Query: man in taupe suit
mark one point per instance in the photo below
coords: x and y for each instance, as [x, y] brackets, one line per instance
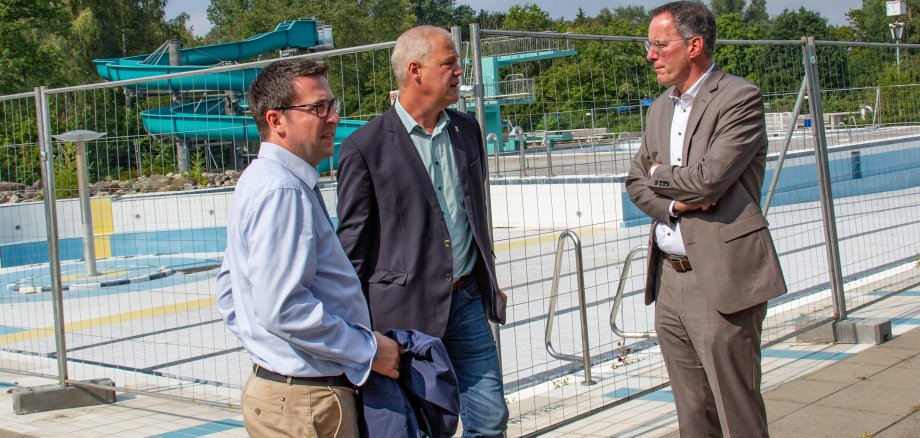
[712, 264]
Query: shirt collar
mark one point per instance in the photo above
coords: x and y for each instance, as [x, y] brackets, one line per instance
[409, 123]
[294, 164]
[695, 88]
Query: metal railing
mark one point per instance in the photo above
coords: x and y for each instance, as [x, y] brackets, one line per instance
[618, 298]
[585, 357]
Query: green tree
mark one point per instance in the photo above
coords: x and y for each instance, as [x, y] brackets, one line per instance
[528, 17]
[720, 7]
[434, 12]
[871, 24]
[354, 22]
[740, 60]
[31, 45]
[756, 12]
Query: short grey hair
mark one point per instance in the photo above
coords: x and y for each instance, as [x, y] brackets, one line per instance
[691, 18]
[414, 45]
[274, 87]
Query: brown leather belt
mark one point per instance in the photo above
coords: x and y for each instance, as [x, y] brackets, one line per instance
[678, 262]
[339, 380]
[462, 281]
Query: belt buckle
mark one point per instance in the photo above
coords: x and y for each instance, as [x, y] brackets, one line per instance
[679, 263]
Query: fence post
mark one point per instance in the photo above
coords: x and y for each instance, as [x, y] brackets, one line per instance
[475, 51]
[458, 43]
[810, 60]
[51, 224]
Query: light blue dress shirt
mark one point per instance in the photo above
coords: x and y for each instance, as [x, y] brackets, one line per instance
[436, 152]
[286, 287]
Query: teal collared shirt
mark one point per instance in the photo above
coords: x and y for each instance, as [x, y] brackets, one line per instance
[437, 155]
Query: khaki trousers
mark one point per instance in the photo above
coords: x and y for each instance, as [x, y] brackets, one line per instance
[713, 359]
[275, 409]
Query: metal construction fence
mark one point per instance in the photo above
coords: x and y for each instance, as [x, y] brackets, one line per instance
[117, 280]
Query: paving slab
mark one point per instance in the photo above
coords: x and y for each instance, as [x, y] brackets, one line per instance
[887, 356]
[898, 377]
[868, 397]
[826, 421]
[906, 428]
[846, 372]
[804, 391]
[777, 409]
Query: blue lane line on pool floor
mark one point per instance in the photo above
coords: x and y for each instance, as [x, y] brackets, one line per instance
[202, 429]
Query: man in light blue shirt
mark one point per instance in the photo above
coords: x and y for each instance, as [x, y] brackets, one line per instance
[286, 287]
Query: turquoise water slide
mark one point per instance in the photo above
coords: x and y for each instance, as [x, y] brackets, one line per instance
[206, 119]
[293, 34]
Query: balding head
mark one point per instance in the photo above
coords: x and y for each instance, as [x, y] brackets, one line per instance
[415, 45]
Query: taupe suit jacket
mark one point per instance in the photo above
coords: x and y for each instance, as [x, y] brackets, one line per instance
[725, 149]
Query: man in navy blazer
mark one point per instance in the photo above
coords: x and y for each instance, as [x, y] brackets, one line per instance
[413, 222]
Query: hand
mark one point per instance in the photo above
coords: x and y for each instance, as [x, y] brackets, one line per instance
[386, 362]
[680, 207]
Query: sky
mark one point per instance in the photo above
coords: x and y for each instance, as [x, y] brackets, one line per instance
[834, 10]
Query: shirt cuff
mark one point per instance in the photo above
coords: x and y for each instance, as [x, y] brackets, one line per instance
[671, 209]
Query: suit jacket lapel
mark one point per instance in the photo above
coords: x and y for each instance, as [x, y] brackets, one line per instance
[700, 101]
[458, 145]
[405, 148]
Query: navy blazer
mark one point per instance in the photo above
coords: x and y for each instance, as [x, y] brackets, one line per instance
[426, 386]
[393, 229]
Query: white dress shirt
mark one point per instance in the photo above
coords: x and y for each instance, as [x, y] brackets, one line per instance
[668, 238]
[286, 287]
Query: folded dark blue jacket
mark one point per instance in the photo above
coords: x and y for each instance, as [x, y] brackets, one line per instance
[424, 401]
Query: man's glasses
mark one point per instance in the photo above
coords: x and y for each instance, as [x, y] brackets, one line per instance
[321, 108]
[657, 45]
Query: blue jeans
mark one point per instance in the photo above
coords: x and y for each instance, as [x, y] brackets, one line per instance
[469, 343]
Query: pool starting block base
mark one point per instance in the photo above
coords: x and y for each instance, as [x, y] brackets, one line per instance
[53, 397]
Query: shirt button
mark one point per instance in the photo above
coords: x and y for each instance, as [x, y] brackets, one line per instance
[258, 411]
[448, 277]
[447, 243]
[678, 160]
[678, 133]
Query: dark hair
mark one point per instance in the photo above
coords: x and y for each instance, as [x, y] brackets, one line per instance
[691, 18]
[274, 87]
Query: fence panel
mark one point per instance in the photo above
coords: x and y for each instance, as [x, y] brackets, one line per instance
[160, 189]
[27, 336]
[568, 112]
[871, 100]
[579, 130]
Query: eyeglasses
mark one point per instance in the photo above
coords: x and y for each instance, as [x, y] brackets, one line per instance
[321, 108]
[659, 44]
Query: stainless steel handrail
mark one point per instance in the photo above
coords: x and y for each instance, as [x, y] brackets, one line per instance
[618, 299]
[517, 133]
[549, 154]
[494, 139]
[554, 295]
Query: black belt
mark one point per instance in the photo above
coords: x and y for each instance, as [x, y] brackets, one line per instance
[680, 263]
[339, 380]
[462, 281]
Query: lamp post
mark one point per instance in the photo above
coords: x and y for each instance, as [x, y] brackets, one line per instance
[79, 138]
[897, 31]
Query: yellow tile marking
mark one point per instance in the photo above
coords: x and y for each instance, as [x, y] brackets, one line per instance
[103, 226]
[81, 276]
[120, 318]
[546, 238]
